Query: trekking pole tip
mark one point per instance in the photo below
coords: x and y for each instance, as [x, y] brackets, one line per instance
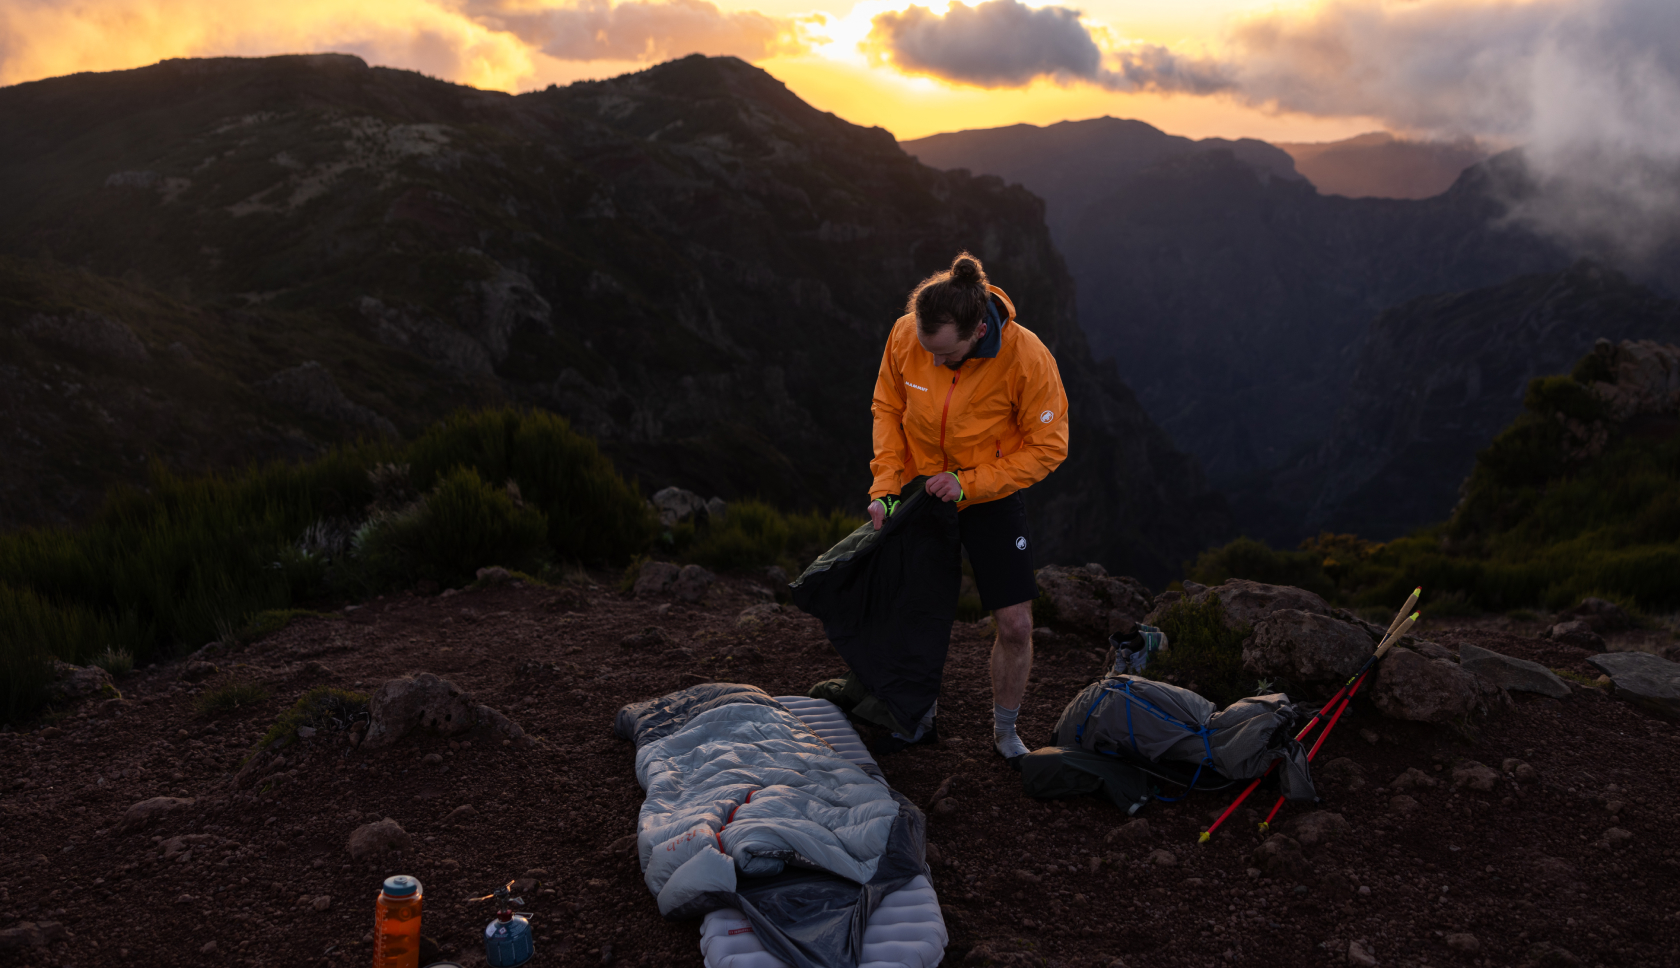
[1264, 826]
[1206, 835]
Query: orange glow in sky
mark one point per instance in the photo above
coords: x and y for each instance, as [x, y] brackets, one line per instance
[485, 43]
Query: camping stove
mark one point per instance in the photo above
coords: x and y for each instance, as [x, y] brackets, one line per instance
[507, 938]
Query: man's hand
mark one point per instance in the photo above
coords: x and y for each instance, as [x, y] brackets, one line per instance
[945, 486]
[877, 513]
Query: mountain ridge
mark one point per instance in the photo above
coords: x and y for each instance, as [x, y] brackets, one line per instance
[692, 264]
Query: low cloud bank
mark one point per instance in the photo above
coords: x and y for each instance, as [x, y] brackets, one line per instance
[1589, 88]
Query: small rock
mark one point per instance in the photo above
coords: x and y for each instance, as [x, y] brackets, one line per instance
[606, 954]
[1094, 863]
[1369, 736]
[1617, 837]
[1544, 955]
[423, 702]
[1357, 955]
[1601, 615]
[675, 505]
[1463, 942]
[184, 899]
[460, 813]
[1027, 876]
[1364, 891]
[1614, 807]
[1345, 771]
[321, 903]
[432, 759]
[933, 855]
[1402, 804]
[1317, 827]
[651, 637]
[142, 814]
[1279, 857]
[73, 683]
[655, 578]
[494, 575]
[1474, 775]
[758, 616]
[1411, 779]
[197, 671]
[378, 837]
[1134, 831]
[1577, 633]
[1161, 858]
[946, 807]
[692, 583]
[306, 732]
[51, 732]
[208, 948]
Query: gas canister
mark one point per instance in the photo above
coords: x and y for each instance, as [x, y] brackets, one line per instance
[507, 938]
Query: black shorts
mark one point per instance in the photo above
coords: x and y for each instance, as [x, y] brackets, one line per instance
[995, 536]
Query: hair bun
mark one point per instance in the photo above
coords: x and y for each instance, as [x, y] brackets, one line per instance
[966, 270]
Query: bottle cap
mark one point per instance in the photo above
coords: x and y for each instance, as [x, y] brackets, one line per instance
[401, 885]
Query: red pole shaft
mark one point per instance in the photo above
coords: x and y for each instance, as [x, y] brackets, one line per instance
[1321, 737]
[1298, 737]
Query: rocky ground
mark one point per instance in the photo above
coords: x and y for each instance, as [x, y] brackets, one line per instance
[1547, 838]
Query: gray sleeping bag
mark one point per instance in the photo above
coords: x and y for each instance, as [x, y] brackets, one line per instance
[1160, 722]
[747, 808]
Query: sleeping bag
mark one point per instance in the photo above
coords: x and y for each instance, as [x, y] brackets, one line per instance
[888, 599]
[746, 808]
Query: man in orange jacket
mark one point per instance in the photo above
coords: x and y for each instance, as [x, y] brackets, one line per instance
[973, 400]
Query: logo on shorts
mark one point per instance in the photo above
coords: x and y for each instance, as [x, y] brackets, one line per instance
[1020, 544]
[1047, 416]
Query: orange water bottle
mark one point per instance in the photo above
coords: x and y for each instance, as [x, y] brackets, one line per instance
[396, 924]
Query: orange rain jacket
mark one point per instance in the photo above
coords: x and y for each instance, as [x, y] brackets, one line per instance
[999, 421]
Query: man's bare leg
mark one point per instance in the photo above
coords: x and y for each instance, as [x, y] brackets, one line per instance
[1012, 656]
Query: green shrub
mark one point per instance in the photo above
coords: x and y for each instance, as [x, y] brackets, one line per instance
[118, 662]
[1454, 604]
[272, 620]
[1203, 652]
[321, 708]
[755, 535]
[230, 697]
[593, 514]
[462, 525]
[1256, 561]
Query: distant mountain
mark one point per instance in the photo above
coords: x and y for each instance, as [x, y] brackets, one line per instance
[1379, 165]
[219, 260]
[1439, 377]
[1071, 163]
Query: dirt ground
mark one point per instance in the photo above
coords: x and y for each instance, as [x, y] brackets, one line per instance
[1527, 869]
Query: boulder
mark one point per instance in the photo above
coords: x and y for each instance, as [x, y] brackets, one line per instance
[1577, 633]
[655, 578]
[378, 837]
[1305, 649]
[1412, 779]
[1412, 687]
[423, 702]
[1247, 602]
[73, 683]
[692, 583]
[1603, 616]
[142, 814]
[676, 505]
[1089, 601]
[716, 510]
[1520, 675]
[1643, 679]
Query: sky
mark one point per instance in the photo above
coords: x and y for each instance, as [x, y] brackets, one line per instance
[913, 68]
[1589, 88]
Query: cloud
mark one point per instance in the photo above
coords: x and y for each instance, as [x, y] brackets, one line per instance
[602, 30]
[1004, 43]
[1589, 88]
[485, 43]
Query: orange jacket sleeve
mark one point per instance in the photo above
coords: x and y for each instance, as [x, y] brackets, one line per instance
[1041, 416]
[892, 449]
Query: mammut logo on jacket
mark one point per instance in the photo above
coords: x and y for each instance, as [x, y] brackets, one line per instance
[915, 387]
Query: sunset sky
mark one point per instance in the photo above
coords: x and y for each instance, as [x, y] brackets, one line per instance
[1296, 70]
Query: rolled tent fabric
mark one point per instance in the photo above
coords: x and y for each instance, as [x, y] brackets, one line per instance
[887, 600]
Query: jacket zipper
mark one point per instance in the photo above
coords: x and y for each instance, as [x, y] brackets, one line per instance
[942, 417]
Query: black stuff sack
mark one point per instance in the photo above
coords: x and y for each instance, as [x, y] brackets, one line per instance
[887, 600]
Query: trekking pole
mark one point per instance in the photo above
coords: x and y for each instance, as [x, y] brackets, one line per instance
[1382, 647]
[1264, 824]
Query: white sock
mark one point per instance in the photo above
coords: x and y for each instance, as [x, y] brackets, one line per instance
[1003, 732]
